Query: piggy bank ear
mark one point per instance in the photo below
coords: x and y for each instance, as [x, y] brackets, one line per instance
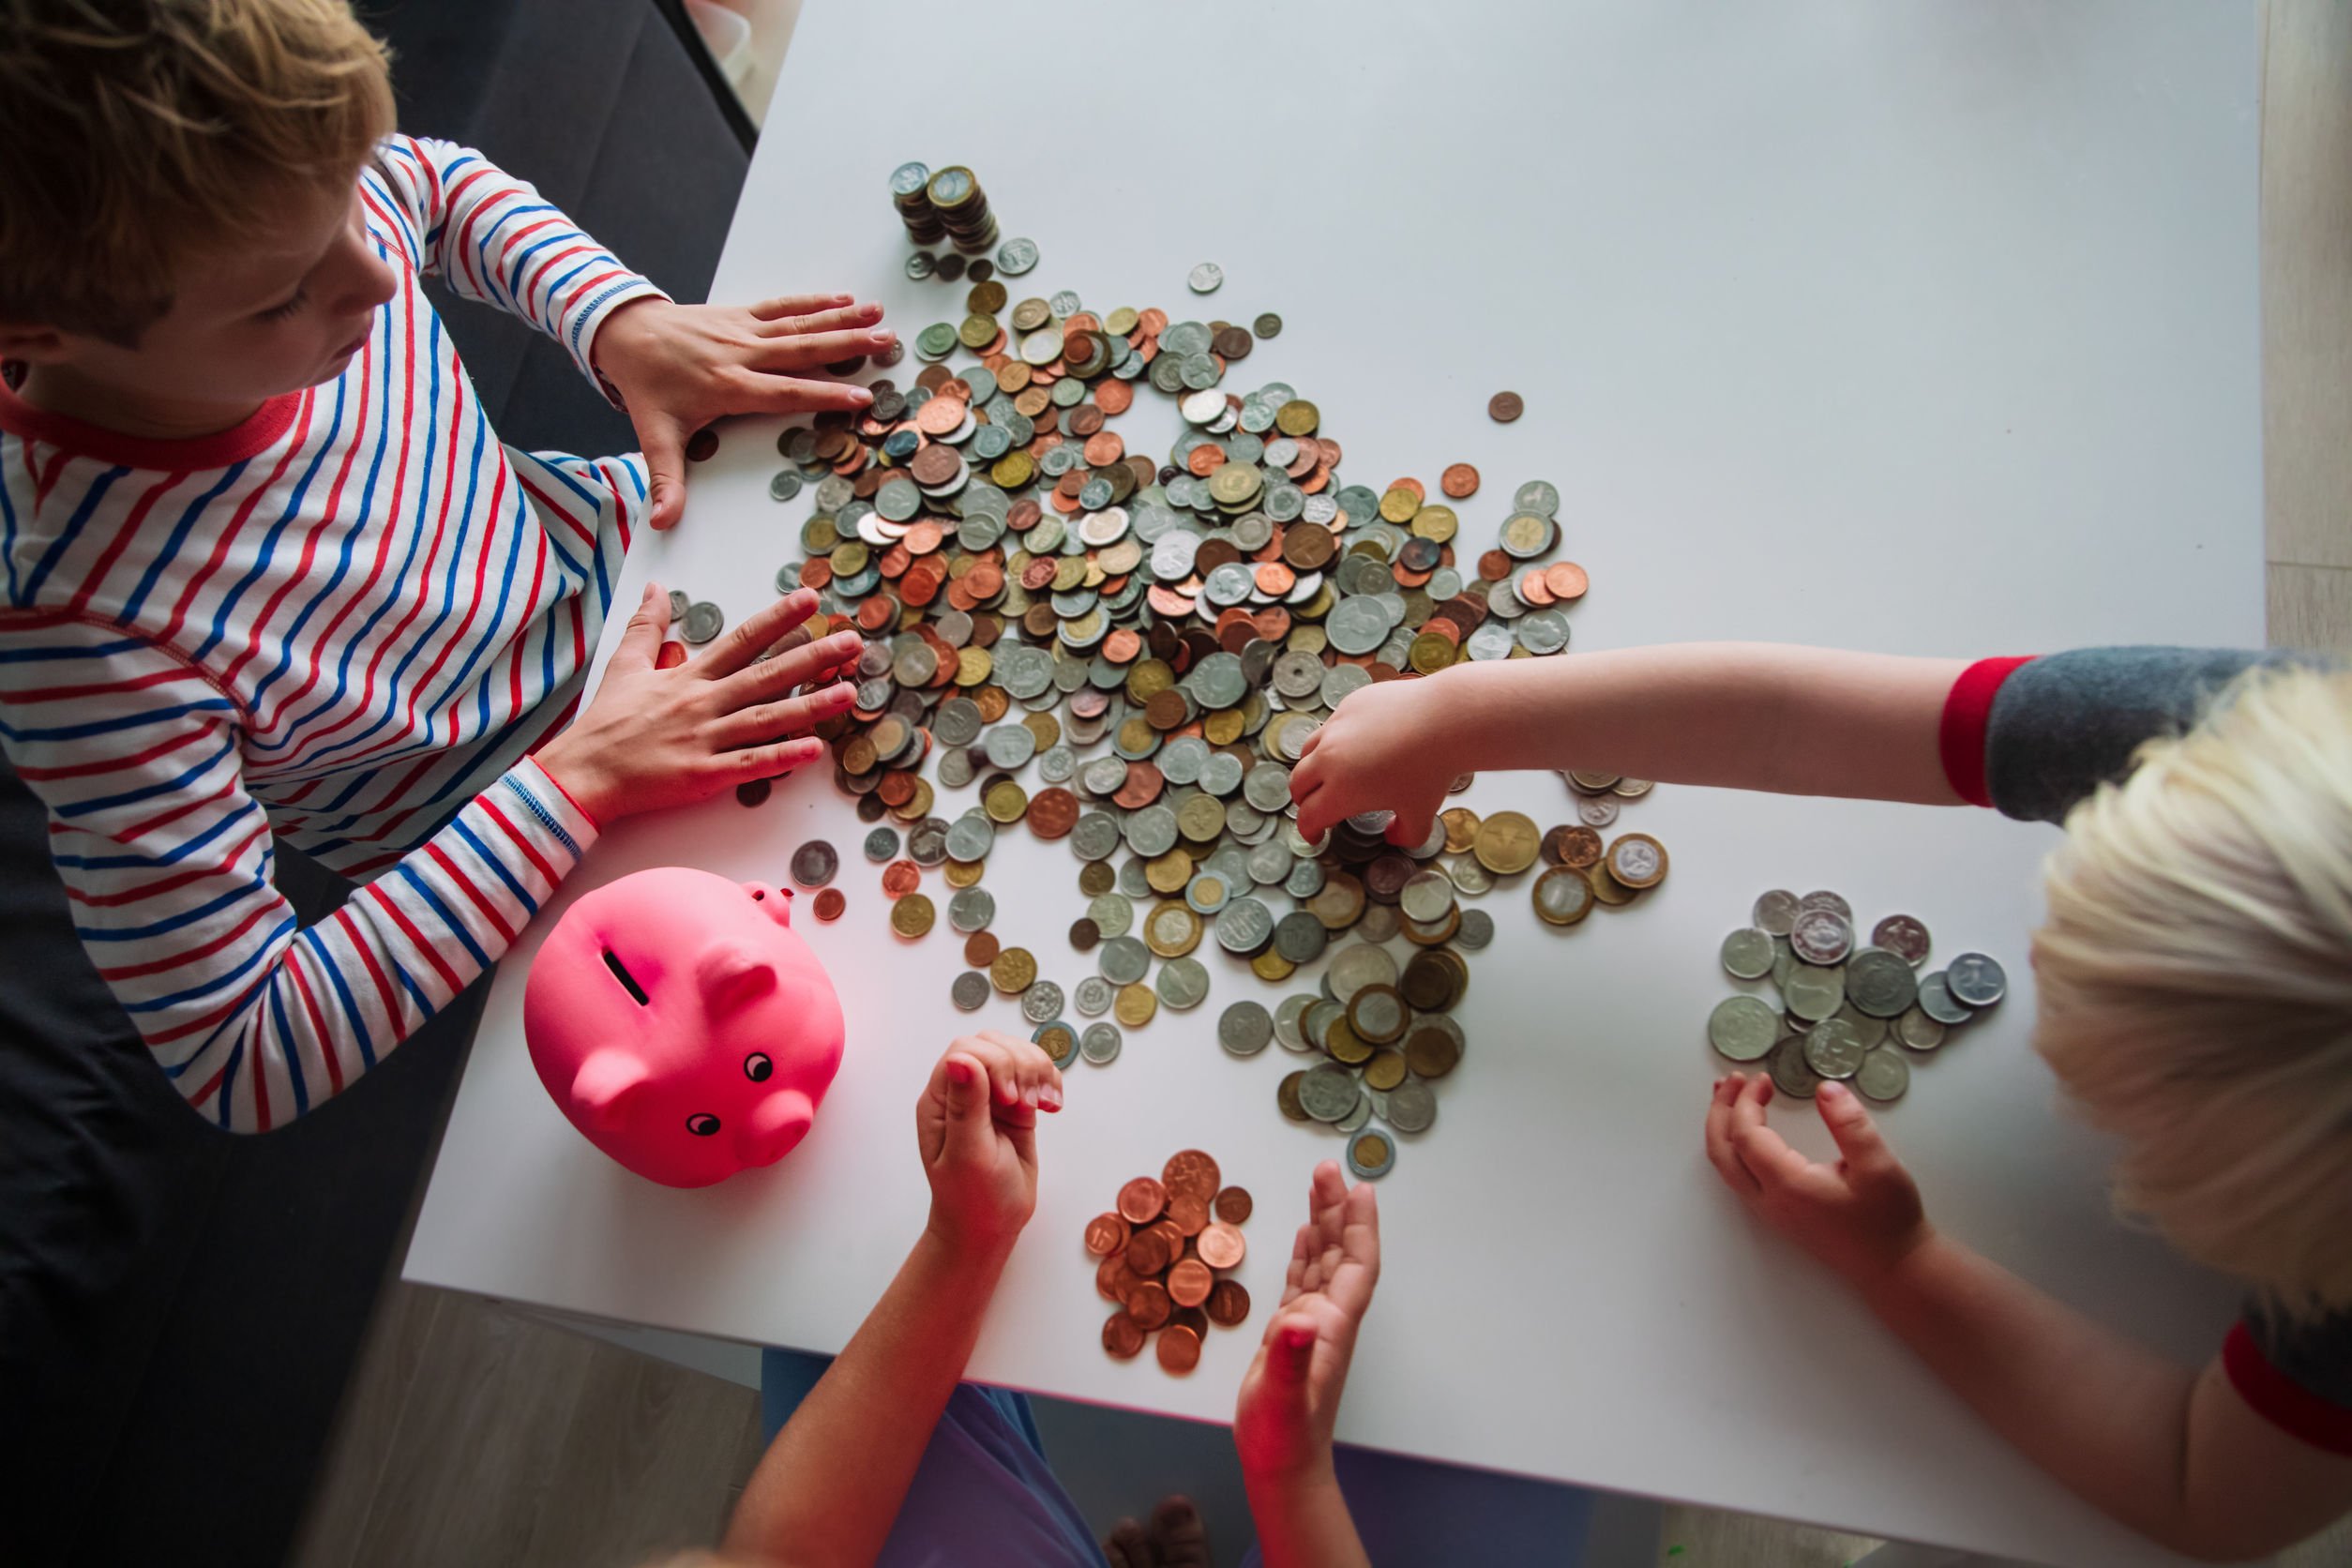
[606, 1084]
[732, 976]
[774, 1126]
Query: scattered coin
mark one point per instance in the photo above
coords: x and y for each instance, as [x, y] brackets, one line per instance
[1205, 279]
[1504, 407]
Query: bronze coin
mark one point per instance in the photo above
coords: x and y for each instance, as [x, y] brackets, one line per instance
[702, 444]
[829, 903]
[1147, 1253]
[1187, 1212]
[1053, 812]
[1189, 1282]
[1504, 407]
[1113, 1280]
[1180, 1350]
[900, 878]
[1122, 1336]
[1228, 1304]
[1221, 1246]
[1105, 1235]
[1084, 934]
[1149, 1304]
[1141, 1201]
[1192, 1173]
[1580, 847]
[1459, 481]
[751, 792]
[1191, 1317]
[1234, 1205]
[980, 949]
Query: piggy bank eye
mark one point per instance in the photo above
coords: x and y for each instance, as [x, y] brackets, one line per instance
[757, 1067]
[701, 1123]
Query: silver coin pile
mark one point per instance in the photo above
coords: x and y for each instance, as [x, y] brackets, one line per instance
[1861, 1014]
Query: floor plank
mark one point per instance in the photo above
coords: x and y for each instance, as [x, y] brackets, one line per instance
[396, 1358]
[2311, 606]
[2307, 282]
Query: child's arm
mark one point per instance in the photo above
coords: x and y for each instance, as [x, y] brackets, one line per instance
[832, 1482]
[2178, 1455]
[1750, 716]
[166, 856]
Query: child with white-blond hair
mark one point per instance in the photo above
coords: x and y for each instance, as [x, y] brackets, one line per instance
[2194, 977]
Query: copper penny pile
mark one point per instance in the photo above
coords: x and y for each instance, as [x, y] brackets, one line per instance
[1162, 1250]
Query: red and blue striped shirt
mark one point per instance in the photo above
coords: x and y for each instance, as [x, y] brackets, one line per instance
[347, 622]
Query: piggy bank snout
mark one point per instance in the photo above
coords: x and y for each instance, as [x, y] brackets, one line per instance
[775, 1126]
[730, 975]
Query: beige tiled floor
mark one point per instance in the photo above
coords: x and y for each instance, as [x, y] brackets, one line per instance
[472, 1435]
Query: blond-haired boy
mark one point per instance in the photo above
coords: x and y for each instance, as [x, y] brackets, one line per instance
[267, 572]
[2195, 992]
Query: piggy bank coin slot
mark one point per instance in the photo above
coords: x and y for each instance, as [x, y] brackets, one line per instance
[620, 972]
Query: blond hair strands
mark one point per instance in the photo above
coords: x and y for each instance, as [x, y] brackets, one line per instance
[137, 129]
[2195, 982]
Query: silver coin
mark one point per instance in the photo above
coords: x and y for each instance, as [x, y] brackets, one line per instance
[784, 486]
[1100, 1043]
[1015, 257]
[1427, 898]
[882, 845]
[1790, 1075]
[1539, 496]
[1900, 933]
[927, 843]
[1009, 746]
[1042, 1002]
[704, 620]
[1880, 983]
[1381, 1151]
[1600, 811]
[1245, 1028]
[1113, 915]
[1821, 936]
[1182, 984]
[1097, 836]
[1358, 966]
[1747, 952]
[1873, 1032]
[814, 863]
[969, 990]
[1358, 1117]
[1813, 992]
[1937, 1001]
[1122, 960]
[922, 264]
[1775, 912]
[971, 837]
[1883, 1074]
[1289, 1021]
[680, 602]
[1918, 1031]
[1328, 1091]
[1412, 1107]
[1378, 922]
[1205, 279]
[1093, 996]
[1825, 899]
[1243, 925]
[1976, 979]
[1477, 930]
[1743, 1028]
[970, 909]
[1834, 1049]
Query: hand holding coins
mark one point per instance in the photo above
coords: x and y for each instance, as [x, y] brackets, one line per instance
[1384, 748]
[977, 1125]
[1162, 1250]
[1860, 1216]
[1289, 1399]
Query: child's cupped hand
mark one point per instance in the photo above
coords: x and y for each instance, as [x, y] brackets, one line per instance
[654, 737]
[679, 366]
[976, 1128]
[1381, 751]
[1860, 1216]
[1289, 1399]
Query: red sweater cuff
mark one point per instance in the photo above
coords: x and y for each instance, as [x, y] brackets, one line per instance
[1967, 712]
[2284, 1403]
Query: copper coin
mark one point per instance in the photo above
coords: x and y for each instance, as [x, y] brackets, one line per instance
[1085, 935]
[1189, 1282]
[1122, 1336]
[1233, 1205]
[1113, 1280]
[1580, 847]
[1459, 480]
[671, 655]
[1171, 1237]
[980, 949]
[1188, 1212]
[1141, 1201]
[1147, 1253]
[1149, 1304]
[1556, 844]
[1052, 812]
[1566, 581]
[902, 877]
[1228, 1304]
[1180, 1350]
[1502, 408]
[751, 792]
[703, 444]
[1221, 1246]
[1105, 1235]
[829, 903]
[1191, 1318]
[1191, 1173]
[1142, 788]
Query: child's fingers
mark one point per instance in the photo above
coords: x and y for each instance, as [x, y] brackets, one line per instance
[767, 394]
[785, 353]
[1720, 1154]
[1765, 1154]
[665, 469]
[640, 640]
[741, 646]
[792, 717]
[771, 760]
[784, 305]
[795, 667]
[1856, 1136]
[819, 318]
[962, 1084]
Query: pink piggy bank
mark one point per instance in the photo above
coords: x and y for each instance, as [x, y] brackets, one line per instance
[683, 1025]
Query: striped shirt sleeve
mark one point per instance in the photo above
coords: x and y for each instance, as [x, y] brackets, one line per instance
[491, 237]
[166, 861]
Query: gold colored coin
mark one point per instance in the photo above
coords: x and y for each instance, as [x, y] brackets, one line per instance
[1171, 930]
[1013, 972]
[1225, 726]
[1096, 878]
[1058, 1040]
[1272, 967]
[1607, 889]
[1461, 828]
[1298, 417]
[973, 666]
[913, 915]
[1134, 1005]
[964, 873]
[1385, 1071]
[1507, 843]
[1636, 860]
[1431, 1053]
[1345, 1045]
[1005, 802]
[1170, 872]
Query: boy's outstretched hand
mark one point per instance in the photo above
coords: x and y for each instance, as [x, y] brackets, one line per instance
[977, 1125]
[1380, 751]
[1861, 1216]
[655, 737]
[679, 366]
[1282, 1425]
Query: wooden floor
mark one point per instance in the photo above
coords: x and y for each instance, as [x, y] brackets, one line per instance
[473, 1434]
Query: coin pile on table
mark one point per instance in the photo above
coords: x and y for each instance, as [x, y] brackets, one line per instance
[1859, 1013]
[1163, 1254]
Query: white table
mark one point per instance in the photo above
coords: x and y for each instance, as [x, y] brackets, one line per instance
[1927, 328]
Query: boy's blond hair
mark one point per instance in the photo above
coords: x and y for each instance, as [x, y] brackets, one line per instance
[2196, 982]
[137, 129]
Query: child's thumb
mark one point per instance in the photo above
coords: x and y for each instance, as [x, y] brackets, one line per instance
[969, 1130]
[665, 476]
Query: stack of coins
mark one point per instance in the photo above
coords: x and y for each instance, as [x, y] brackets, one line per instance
[910, 191]
[1844, 1008]
[962, 207]
[1164, 1251]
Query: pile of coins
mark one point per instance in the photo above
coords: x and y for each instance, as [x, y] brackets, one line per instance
[948, 206]
[1843, 1009]
[1163, 1252]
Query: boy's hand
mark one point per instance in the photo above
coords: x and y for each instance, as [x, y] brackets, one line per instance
[1860, 1216]
[659, 737]
[1380, 751]
[977, 1125]
[1282, 1424]
[679, 366]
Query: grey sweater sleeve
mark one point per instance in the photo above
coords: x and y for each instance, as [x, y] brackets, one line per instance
[2065, 724]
